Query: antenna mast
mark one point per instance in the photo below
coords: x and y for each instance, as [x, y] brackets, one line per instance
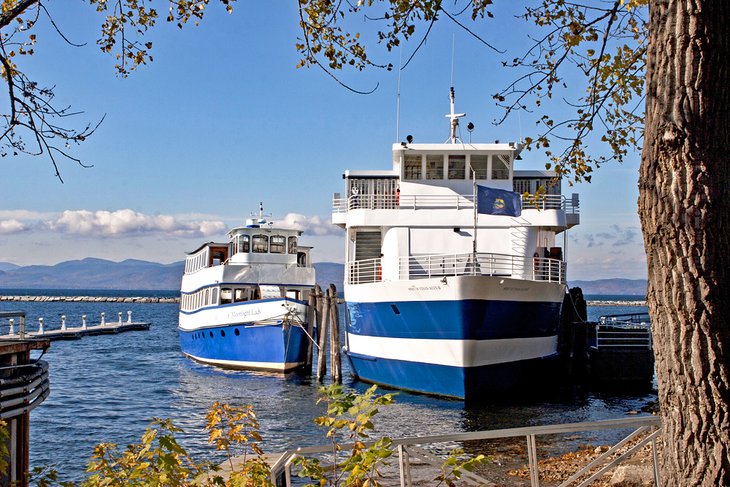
[397, 99]
[454, 117]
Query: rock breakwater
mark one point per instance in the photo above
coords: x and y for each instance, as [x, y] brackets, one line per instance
[91, 299]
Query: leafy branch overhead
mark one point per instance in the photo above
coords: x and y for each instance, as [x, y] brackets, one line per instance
[36, 124]
[598, 46]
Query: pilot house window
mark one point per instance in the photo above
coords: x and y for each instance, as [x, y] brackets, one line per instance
[292, 245]
[434, 167]
[278, 244]
[260, 244]
[412, 169]
[500, 167]
[479, 164]
[457, 167]
[244, 244]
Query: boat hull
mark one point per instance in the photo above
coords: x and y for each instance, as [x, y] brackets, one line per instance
[217, 336]
[463, 337]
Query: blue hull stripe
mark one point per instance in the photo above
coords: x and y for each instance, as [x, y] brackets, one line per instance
[474, 383]
[457, 320]
[274, 344]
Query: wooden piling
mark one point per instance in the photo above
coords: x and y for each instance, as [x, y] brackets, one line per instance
[335, 357]
[322, 325]
[310, 328]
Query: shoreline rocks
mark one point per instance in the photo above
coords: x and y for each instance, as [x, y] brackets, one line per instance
[91, 299]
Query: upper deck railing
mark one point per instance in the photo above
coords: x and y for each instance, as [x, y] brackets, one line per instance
[455, 202]
[444, 265]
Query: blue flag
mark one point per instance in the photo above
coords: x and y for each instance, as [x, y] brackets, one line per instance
[492, 201]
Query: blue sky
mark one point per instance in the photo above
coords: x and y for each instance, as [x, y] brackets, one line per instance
[222, 119]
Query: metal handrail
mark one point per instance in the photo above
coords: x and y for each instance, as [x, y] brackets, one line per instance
[624, 331]
[26, 387]
[465, 264]
[432, 201]
[642, 425]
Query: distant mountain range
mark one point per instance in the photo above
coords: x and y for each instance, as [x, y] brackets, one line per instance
[130, 274]
[612, 286]
[133, 274]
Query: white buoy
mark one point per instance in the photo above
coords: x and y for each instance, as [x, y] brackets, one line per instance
[63, 322]
[12, 327]
[129, 316]
[83, 322]
[102, 319]
[40, 326]
[119, 315]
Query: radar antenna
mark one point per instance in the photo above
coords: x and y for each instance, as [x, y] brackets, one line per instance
[454, 117]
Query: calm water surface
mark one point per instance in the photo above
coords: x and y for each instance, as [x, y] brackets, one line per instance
[107, 389]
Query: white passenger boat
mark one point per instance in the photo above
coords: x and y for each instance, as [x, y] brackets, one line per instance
[243, 304]
[454, 285]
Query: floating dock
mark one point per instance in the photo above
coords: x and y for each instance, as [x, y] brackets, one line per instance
[615, 350]
[73, 333]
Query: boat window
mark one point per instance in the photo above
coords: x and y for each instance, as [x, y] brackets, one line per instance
[226, 295]
[292, 294]
[500, 167]
[206, 300]
[457, 167]
[292, 245]
[412, 166]
[240, 295]
[434, 167]
[479, 164]
[214, 296]
[260, 244]
[278, 244]
[244, 244]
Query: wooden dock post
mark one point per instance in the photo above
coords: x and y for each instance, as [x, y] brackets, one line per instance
[335, 357]
[310, 328]
[323, 315]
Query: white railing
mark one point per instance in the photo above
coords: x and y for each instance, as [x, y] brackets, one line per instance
[645, 432]
[455, 202]
[441, 265]
[624, 331]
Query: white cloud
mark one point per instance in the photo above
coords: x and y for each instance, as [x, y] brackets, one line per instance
[127, 222]
[312, 225]
[8, 227]
[25, 215]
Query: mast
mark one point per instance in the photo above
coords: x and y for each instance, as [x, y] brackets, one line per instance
[454, 117]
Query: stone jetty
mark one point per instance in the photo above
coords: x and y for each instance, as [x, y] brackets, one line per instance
[90, 299]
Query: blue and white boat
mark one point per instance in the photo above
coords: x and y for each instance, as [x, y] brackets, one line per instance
[454, 286]
[243, 304]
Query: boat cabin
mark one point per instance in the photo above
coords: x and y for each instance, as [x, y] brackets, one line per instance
[251, 244]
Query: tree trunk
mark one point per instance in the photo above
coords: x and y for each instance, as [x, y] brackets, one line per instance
[684, 205]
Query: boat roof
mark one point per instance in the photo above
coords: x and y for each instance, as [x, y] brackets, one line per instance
[459, 147]
[265, 227]
[207, 244]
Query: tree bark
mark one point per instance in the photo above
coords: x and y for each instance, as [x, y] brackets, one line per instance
[684, 205]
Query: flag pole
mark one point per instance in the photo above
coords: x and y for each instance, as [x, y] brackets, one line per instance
[474, 232]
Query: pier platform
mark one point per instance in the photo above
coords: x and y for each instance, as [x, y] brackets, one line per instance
[78, 332]
[64, 332]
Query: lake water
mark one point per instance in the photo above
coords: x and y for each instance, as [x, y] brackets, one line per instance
[107, 388]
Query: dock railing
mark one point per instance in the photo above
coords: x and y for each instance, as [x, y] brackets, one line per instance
[645, 432]
[465, 264]
[624, 331]
[453, 201]
[11, 316]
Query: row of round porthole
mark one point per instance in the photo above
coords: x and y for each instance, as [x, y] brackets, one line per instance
[201, 334]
